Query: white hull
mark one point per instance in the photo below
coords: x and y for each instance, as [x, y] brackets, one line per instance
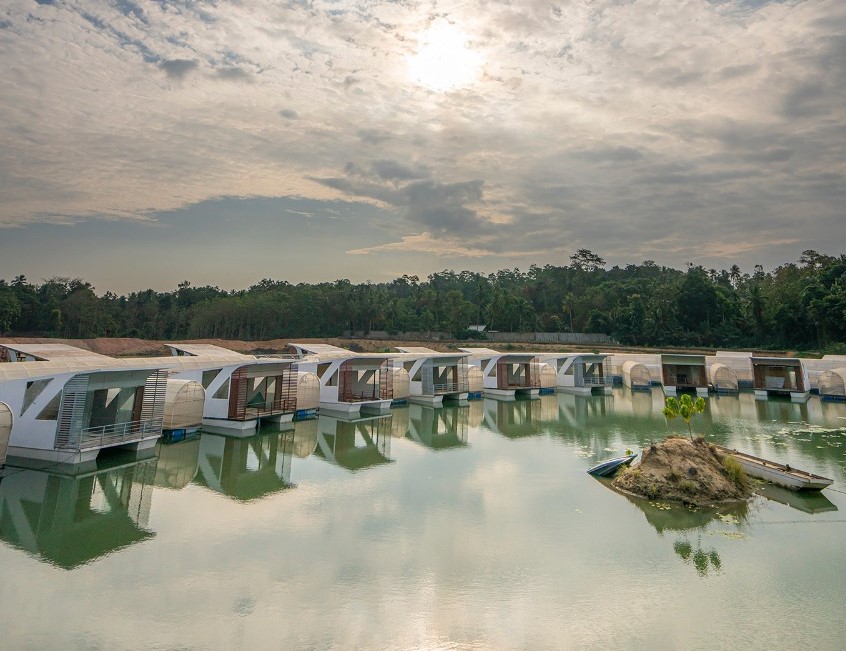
[779, 474]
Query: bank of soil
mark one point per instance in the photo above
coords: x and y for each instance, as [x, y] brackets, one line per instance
[688, 471]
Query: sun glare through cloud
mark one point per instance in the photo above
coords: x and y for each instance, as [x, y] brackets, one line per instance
[443, 60]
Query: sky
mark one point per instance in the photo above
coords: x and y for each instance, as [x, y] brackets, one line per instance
[143, 143]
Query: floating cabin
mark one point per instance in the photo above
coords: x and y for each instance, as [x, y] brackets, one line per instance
[475, 383]
[354, 445]
[240, 390]
[578, 373]
[351, 384]
[832, 385]
[780, 376]
[183, 409]
[506, 375]
[739, 362]
[6, 420]
[69, 408]
[308, 395]
[246, 469]
[434, 376]
[684, 374]
[636, 376]
[816, 367]
[652, 362]
[438, 429]
[723, 379]
[401, 383]
[71, 520]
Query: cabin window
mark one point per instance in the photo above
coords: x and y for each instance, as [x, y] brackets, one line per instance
[333, 381]
[51, 411]
[321, 369]
[210, 376]
[417, 375]
[223, 392]
[33, 390]
[407, 366]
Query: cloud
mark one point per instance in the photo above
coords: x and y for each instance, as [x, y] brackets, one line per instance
[595, 124]
[178, 68]
[425, 243]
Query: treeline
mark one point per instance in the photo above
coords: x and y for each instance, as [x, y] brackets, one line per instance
[799, 305]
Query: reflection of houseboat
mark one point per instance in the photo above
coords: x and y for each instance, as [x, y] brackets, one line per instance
[246, 468]
[580, 373]
[506, 375]
[350, 384]
[514, 419]
[70, 520]
[434, 376]
[354, 445]
[780, 376]
[438, 428]
[178, 463]
[684, 373]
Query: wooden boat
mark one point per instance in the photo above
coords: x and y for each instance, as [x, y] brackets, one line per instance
[777, 473]
[609, 467]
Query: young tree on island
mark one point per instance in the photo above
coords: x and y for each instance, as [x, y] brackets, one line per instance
[686, 408]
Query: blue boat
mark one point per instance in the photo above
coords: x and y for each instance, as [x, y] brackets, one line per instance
[609, 467]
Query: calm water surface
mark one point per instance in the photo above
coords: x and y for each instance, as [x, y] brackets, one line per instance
[458, 528]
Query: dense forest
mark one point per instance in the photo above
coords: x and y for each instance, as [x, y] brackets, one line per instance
[800, 306]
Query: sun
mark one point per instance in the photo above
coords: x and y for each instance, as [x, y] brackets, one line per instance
[443, 60]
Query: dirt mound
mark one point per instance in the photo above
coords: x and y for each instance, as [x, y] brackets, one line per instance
[680, 470]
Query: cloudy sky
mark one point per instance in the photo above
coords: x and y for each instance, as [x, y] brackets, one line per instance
[146, 142]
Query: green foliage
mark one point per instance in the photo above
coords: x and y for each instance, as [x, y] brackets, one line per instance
[685, 408]
[797, 306]
[735, 472]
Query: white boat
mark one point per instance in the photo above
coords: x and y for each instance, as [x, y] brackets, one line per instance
[777, 473]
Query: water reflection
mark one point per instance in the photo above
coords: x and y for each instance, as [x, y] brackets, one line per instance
[354, 445]
[178, 463]
[72, 520]
[690, 525]
[807, 502]
[515, 418]
[704, 561]
[438, 428]
[245, 468]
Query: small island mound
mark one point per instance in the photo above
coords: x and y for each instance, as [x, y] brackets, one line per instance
[690, 471]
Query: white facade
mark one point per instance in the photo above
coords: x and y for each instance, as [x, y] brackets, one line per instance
[506, 374]
[780, 376]
[580, 373]
[66, 411]
[350, 384]
[434, 377]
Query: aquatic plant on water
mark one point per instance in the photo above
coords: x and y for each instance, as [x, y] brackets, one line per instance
[686, 408]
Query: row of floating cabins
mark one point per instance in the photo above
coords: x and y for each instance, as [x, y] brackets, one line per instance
[61, 405]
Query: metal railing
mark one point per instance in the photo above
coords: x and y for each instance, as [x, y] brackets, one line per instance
[449, 387]
[595, 381]
[105, 435]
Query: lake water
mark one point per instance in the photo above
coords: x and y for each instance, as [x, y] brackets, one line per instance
[458, 528]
